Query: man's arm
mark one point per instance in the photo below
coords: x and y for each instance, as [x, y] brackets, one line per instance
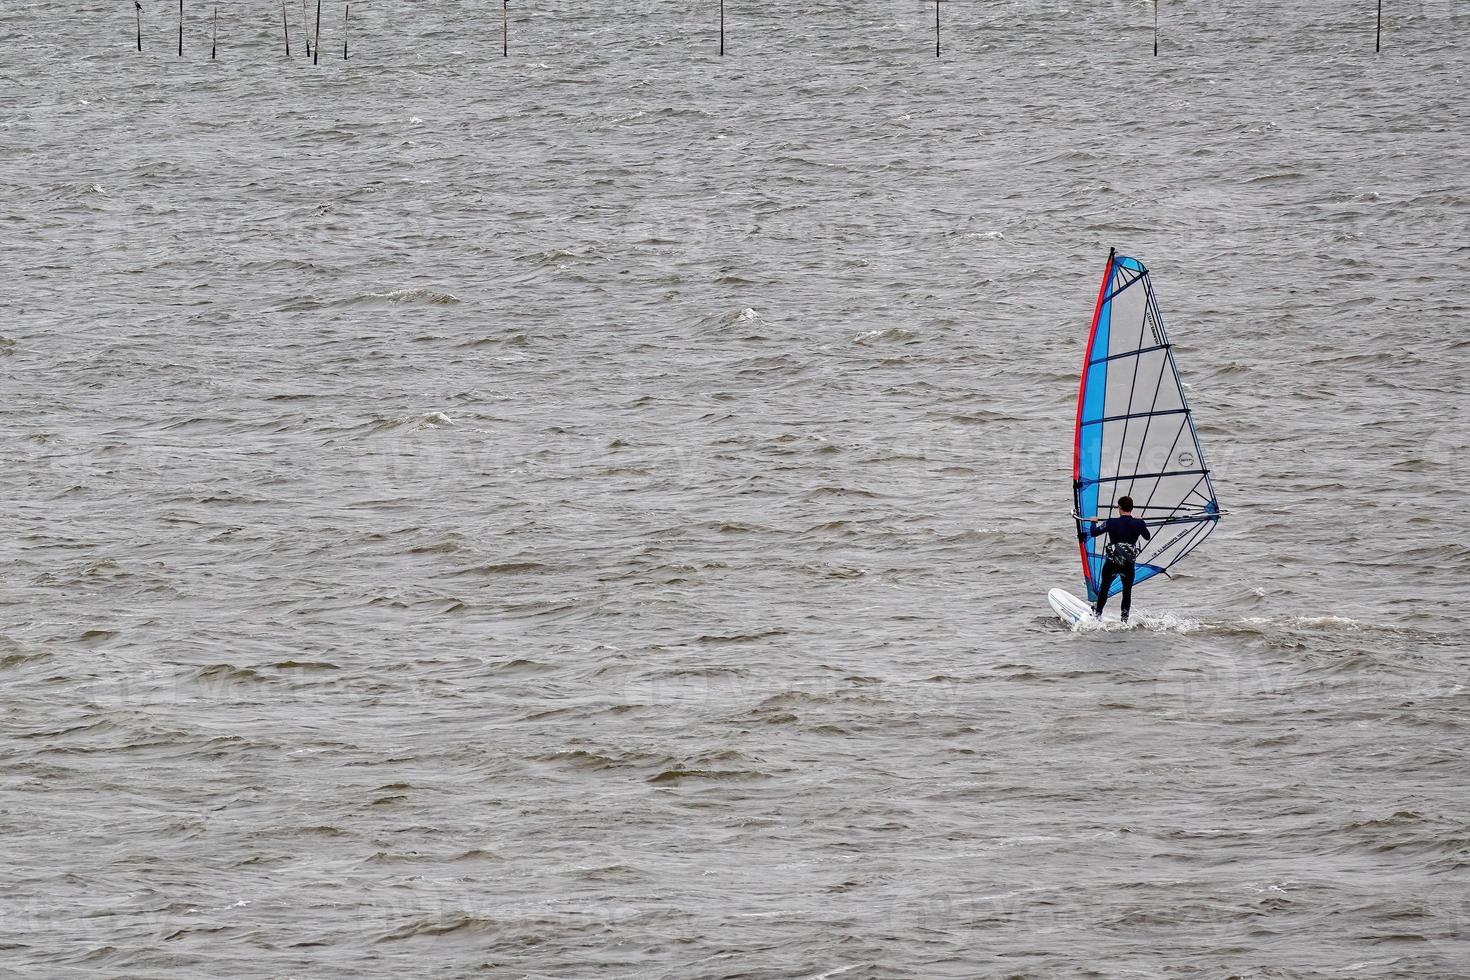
[1099, 528]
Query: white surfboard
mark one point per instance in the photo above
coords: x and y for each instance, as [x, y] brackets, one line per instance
[1072, 610]
[1068, 607]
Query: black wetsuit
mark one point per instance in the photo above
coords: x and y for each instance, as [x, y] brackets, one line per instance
[1123, 529]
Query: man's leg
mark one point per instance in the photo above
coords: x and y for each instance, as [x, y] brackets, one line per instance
[1127, 575]
[1105, 583]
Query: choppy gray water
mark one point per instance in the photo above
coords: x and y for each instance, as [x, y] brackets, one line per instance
[590, 513]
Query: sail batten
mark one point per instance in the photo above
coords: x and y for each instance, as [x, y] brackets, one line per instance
[1135, 432]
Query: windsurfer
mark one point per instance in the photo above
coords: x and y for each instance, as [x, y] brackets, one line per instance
[1123, 533]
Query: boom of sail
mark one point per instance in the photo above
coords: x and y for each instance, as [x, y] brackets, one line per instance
[1135, 433]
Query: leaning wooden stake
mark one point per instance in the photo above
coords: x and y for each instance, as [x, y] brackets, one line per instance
[214, 41]
[306, 26]
[346, 20]
[181, 28]
[936, 28]
[286, 28]
[316, 48]
[1156, 28]
[138, 12]
[722, 28]
[1378, 42]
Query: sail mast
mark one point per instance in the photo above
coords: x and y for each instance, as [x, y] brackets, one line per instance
[1077, 435]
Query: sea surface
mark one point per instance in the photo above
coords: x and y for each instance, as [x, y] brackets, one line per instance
[589, 513]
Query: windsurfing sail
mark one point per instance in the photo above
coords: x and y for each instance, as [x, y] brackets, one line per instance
[1135, 433]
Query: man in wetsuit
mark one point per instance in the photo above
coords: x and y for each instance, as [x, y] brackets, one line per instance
[1123, 533]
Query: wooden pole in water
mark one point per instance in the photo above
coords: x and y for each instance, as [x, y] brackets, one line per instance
[214, 41]
[1156, 28]
[316, 48]
[181, 28]
[286, 28]
[505, 28]
[936, 28]
[306, 26]
[346, 21]
[138, 13]
[1378, 42]
[722, 28]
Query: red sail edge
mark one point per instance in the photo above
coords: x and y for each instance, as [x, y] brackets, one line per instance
[1102, 291]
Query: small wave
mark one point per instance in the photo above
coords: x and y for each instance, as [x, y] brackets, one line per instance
[581, 759]
[739, 637]
[477, 854]
[17, 659]
[839, 572]
[504, 568]
[769, 717]
[730, 318]
[818, 493]
[448, 546]
[512, 340]
[680, 775]
[226, 672]
[558, 257]
[1268, 178]
[1325, 624]
[441, 927]
[522, 666]
[76, 190]
[1418, 465]
[407, 297]
[891, 335]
